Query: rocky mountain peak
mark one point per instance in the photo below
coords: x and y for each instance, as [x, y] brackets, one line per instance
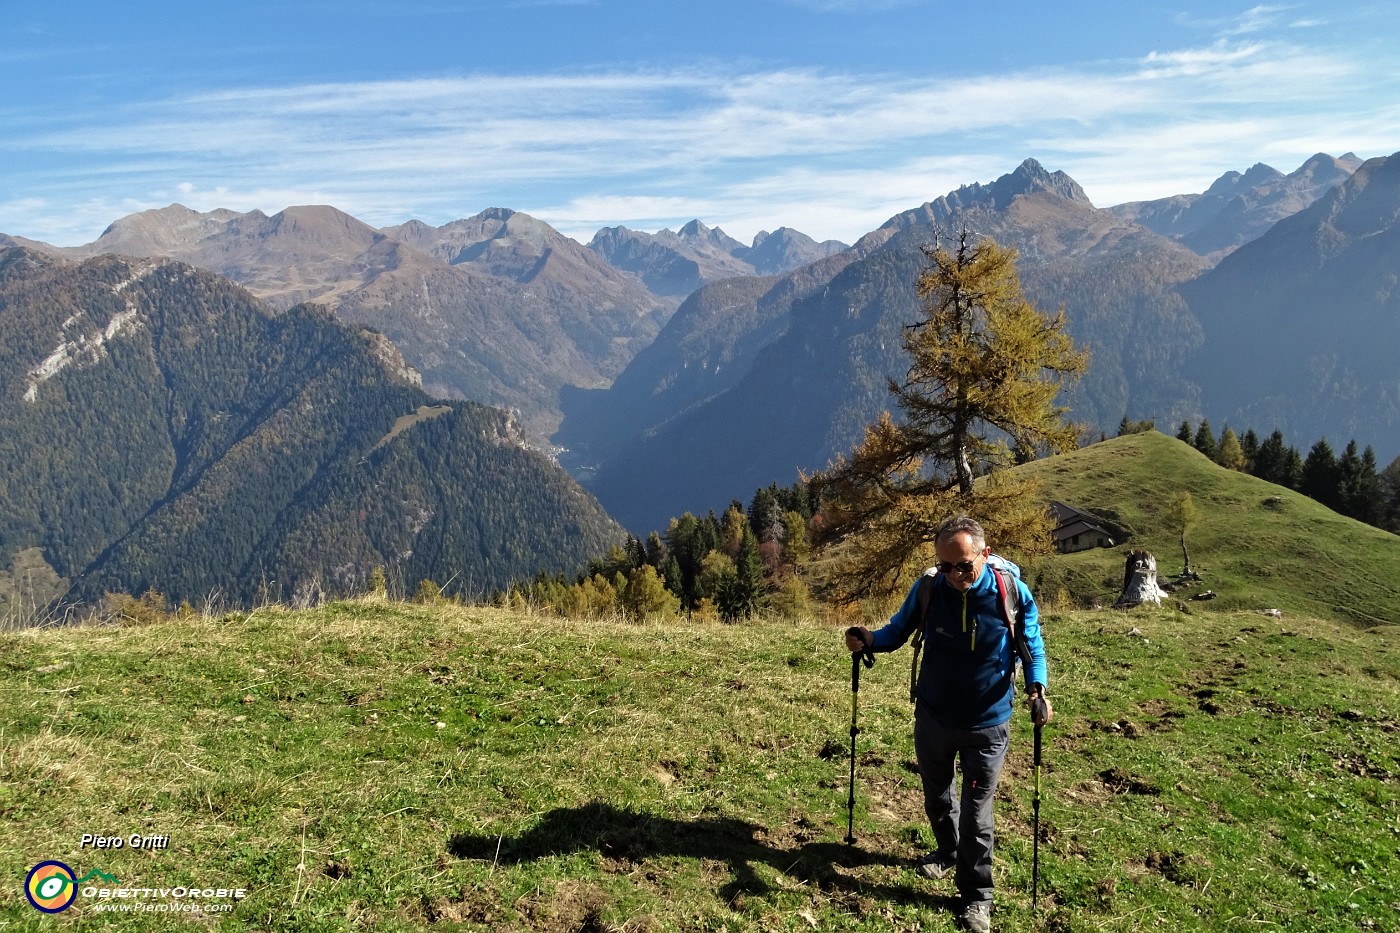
[1322, 171]
[161, 231]
[318, 223]
[785, 249]
[1031, 177]
[1366, 204]
[495, 213]
[1259, 175]
[709, 238]
[1223, 187]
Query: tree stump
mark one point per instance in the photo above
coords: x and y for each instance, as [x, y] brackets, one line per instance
[1140, 581]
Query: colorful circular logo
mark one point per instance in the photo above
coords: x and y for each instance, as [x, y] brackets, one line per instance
[51, 887]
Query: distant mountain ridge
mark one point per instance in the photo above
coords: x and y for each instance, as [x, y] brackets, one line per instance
[555, 314]
[705, 349]
[499, 308]
[165, 430]
[676, 264]
[1237, 207]
[1302, 324]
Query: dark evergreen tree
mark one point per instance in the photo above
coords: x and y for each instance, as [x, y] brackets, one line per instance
[1249, 446]
[711, 533]
[766, 514]
[743, 594]
[636, 553]
[1271, 460]
[674, 580]
[1363, 496]
[1390, 494]
[685, 539]
[1183, 433]
[655, 551]
[1348, 478]
[1292, 468]
[1321, 479]
[1204, 441]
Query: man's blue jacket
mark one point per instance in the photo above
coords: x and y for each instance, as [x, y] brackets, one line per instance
[969, 658]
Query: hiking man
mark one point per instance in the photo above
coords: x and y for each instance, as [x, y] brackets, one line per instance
[964, 701]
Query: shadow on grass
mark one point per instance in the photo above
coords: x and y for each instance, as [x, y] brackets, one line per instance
[626, 836]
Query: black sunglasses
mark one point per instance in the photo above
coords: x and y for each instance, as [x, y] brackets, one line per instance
[962, 566]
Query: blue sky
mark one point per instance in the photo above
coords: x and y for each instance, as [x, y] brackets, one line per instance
[824, 115]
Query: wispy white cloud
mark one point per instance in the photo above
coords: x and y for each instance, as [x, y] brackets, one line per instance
[833, 154]
[1257, 19]
[1228, 24]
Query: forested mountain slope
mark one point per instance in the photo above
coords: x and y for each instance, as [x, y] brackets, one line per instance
[163, 429]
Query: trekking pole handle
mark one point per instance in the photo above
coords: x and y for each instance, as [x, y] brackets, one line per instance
[1038, 717]
[856, 658]
[865, 654]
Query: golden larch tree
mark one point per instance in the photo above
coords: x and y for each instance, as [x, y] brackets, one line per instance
[986, 367]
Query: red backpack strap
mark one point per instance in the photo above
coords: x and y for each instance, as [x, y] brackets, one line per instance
[1011, 611]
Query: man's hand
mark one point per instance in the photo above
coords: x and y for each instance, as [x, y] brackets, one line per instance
[1039, 705]
[858, 638]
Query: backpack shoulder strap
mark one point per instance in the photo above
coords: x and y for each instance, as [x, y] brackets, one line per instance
[1010, 597]
[1011, 612]
[923, 595]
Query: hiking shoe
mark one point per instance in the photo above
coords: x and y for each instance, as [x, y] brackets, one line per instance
[935, 865]
[977, 917]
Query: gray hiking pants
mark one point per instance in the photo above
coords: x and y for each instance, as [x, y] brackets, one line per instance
[962, 823]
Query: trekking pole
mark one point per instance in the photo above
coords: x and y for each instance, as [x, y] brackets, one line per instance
[1038, 717]
[856, 658]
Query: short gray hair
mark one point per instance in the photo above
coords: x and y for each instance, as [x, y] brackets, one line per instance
[961, 524]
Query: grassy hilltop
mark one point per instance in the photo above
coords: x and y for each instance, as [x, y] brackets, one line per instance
[374, 764]
[1257, 545]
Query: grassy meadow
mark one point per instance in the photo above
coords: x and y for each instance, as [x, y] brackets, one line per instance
[383, 765]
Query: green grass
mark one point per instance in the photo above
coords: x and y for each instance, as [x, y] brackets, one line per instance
[1257, 545]
[390, 766]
